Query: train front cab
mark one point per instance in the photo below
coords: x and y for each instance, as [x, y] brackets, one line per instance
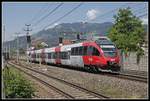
[97, 60]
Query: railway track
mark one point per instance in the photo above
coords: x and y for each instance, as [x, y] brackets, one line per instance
[136, 72]
[129, 75]
[70, 90]
[60, 92]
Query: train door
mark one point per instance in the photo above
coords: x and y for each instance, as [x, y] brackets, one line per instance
[96, 58]
[57, 51]
[76, 57]
[34, 56]
[89, 54]
[86, 56]
[43, 56]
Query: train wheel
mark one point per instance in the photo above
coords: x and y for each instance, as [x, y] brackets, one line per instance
[90, 69]
[93, 69]
[96, 69]
[87, 68]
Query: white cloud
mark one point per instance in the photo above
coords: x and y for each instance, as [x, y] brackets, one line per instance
[91, 14]
[55, 24]
[145, 20]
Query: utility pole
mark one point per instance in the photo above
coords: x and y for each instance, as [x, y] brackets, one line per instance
[9, 52]
[3, 50]
[3, 39]
[28, 39]
[17, 46]
[6, 53]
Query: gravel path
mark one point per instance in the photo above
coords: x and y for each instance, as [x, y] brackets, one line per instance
[114, 87]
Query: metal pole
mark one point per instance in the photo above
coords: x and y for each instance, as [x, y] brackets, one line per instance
[3, 91]
[17, 50]
[3, 36]
[6, 52]
[17, 47]
[27, 40]
[26, 53]
[9, 51]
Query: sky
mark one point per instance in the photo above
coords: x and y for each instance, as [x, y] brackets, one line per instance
[16, 14]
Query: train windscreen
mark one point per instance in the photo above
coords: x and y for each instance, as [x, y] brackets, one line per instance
[104, 42]
[109, 50]
[108, 47]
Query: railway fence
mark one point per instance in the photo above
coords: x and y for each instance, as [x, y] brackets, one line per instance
[129, 62]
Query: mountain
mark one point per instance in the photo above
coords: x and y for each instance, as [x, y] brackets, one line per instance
[51, 35]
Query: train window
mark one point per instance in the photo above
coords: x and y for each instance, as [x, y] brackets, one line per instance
[80, 50]
[53, 55]
[95, 52]
[72, 51]
[65, 55]
[89, 50]
[85, 50]
[61, 55]
[49, 55]
[37, 55]
[77, 51]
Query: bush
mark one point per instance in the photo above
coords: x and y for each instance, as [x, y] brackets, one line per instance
[16, 86]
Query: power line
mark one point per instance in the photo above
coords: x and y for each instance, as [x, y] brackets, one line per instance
[39, 12]
[28, 38]
[17, 46]
[48, 14]
[64, 15]
[142, 15]
[139, 10]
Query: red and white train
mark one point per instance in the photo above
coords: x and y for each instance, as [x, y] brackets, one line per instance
[98, 55]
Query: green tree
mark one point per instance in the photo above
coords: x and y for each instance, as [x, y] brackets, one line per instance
[127, 32]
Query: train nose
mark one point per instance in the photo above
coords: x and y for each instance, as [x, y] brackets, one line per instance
[111, 62]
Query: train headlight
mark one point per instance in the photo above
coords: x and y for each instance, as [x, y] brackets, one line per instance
[112, 60]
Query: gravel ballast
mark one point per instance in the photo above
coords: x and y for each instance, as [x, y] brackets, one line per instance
[111, 86]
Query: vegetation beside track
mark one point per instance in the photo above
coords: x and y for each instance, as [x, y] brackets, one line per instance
[15, 85]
